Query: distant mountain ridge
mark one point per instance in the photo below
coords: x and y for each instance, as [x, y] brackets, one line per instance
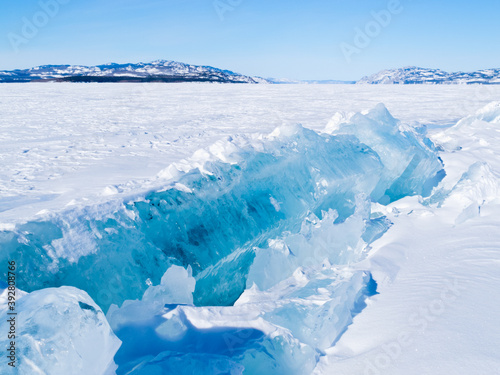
[173, 71]
[156, 71]
[415, 75]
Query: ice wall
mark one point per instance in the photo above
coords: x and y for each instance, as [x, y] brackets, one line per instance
[215, 211]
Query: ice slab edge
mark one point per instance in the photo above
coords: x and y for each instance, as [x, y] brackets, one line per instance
[283, 330]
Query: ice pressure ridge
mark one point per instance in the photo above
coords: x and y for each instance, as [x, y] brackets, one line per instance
[240, 260]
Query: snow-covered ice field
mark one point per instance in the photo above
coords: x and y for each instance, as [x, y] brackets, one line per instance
[335, 247]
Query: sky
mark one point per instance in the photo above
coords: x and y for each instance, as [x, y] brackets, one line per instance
[306, 39]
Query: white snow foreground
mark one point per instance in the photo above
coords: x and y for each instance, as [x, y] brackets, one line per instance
[334, 292]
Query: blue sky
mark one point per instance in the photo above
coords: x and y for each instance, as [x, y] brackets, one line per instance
[307, 39]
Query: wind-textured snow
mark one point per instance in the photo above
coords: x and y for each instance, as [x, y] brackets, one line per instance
[365, 245]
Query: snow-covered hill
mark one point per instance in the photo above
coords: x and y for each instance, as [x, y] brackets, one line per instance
[156, 71]
[172, 71]
[416, 75]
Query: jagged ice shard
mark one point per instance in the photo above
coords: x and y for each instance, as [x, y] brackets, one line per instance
[60, 331]
[245, 246]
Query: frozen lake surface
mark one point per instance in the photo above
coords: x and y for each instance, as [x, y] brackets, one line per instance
[66, 142]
